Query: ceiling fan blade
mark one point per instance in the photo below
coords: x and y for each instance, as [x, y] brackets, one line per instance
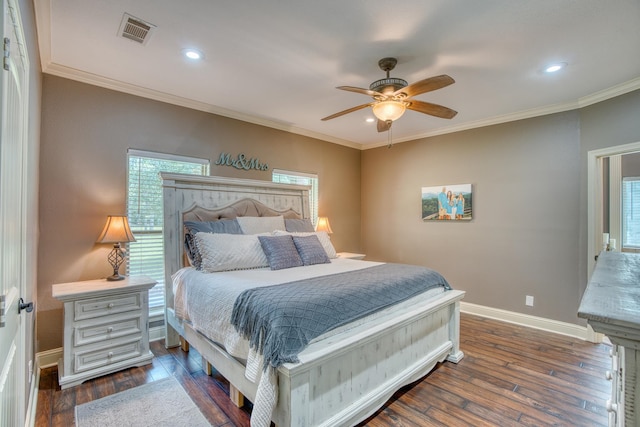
[426, 85]
[361, 90]
[384, 126]
[350, 110]
[431, 109]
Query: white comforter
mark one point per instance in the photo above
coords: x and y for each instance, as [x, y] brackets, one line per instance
[206, 300]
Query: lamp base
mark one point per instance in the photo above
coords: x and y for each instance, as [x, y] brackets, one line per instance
[115, 277]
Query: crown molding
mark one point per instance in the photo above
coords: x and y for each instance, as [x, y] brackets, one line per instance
[43, 22]
[585, 101]
[96, 80]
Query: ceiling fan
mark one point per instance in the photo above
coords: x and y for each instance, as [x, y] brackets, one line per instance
[392, 96]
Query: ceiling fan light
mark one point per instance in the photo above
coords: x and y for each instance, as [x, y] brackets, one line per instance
[389, 110]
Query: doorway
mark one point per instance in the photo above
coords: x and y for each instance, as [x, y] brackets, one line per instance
[595, 196]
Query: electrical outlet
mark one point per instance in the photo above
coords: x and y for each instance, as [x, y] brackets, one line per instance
[529, 300]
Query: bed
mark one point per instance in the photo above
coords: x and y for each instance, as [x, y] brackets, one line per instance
[341, 377]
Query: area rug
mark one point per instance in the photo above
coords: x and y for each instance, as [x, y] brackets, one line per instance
[162, 403]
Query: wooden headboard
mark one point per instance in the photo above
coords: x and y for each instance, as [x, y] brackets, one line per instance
[198, 198]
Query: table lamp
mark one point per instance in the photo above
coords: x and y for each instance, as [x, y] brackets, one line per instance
[116, 231]
[323, 225]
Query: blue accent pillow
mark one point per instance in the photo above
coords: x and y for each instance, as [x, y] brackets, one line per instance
[223, 226]
[281, 252]
[298, 225]
[311, 250]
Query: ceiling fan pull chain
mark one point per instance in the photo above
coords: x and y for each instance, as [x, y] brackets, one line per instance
[389, 137]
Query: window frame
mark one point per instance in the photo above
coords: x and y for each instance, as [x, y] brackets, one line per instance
[625, 244]
[314, 192]
[156, 311]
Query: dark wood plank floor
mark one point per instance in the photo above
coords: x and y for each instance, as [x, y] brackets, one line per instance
[510, 376]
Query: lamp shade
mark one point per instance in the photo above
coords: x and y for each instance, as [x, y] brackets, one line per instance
[389, 110]
[323, 225]
[116, 230]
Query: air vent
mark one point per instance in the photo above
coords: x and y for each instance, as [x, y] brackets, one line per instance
[135, 29]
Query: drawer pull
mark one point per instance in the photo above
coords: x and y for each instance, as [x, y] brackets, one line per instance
[608, 375]
[612, 407]
[110, 355]
[110, 329]
[110, 305]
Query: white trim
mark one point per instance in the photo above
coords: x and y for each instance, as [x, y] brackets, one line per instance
[289, 172]
[165, 156]
[615, 200]
[543, 324]
[49, 358]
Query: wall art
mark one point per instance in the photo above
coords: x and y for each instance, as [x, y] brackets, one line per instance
[447, 203]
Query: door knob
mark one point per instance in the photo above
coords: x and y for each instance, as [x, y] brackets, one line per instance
[22, 306]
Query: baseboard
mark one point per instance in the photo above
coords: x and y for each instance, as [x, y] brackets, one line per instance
[156, 333]
[549, 325]
[49, 358]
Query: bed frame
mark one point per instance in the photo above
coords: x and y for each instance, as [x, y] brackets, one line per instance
[339, 381]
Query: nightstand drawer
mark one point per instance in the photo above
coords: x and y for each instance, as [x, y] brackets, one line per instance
[96, 358]
[97, 307]
[112, 327]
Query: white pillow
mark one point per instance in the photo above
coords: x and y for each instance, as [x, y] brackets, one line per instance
[260, 224]
[322, 236]
[223, 252]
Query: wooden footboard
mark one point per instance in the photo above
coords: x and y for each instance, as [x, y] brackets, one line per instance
[345, 378]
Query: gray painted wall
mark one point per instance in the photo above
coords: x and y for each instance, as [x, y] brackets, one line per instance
[529, 232]
[524, 231]
[528, 235]
[86, 131]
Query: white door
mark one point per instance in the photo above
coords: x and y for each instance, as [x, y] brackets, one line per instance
[13, 136]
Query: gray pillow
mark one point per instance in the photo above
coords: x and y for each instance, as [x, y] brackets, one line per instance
[311, 250]
[226, 226]
[281, 252]
[223, 226]
[298, 225]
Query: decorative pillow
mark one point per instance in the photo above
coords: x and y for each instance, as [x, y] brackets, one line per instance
[228, 226]
[260, 224]
[223, 252]
[298, 225]
[310, 250]
[281, 252]
[322, 236]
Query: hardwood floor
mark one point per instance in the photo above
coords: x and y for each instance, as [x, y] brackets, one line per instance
[510, 376]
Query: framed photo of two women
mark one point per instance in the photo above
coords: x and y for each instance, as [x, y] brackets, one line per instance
[447, 203]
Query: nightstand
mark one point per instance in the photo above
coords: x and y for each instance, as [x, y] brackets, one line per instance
[106, 327]
[350, 255]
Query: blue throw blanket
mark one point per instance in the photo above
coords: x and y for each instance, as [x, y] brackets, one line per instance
[279, 321]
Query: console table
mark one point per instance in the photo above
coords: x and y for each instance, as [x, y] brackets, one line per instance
[611, 305]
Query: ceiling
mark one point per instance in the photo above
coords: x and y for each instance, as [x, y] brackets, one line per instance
[277, 63]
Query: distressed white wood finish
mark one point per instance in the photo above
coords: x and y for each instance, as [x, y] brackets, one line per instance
[339, 380]
[106, 327]
[610, 305]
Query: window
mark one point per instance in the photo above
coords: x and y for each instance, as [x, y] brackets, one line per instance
[144, 208]
[300, 178]
[631, 212]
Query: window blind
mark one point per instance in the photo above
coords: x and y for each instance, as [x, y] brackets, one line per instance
[145, 212]
[631, 212]
[301, 178]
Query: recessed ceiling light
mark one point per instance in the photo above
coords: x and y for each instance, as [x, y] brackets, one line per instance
[193, 54]
[552, 68]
